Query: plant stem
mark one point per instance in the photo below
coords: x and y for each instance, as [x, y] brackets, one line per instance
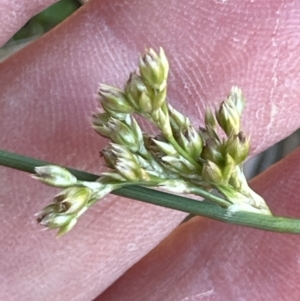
[255, 220]
[205, 194]
[183, 153]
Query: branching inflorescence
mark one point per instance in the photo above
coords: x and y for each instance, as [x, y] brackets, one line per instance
[181, 158]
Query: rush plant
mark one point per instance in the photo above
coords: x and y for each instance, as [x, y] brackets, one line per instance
[180, 158]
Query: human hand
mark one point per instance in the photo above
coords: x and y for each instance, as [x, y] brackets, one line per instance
[46, 98]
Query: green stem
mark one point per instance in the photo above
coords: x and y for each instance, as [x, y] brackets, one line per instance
[255, 220]
[182, 152]
[198, 191]
[192, 189]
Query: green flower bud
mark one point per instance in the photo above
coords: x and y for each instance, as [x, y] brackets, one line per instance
[152, 147]
[158, 98]
[237, 179]
[131, 171]
[128, 169]
[180, 165]
[114, 100]
[162, 121]
[99, 124]
[67, 227]
[228, 117]
[191, 142]
[143, 97]
[208, 133]
[55, 176]
[237, 98]
[143, 163]
[165, 147]
[145, 103]
[121, 151]
[212, 173]
[67, 206]
[72, 200]
[152, 101]
[61, 221]
[229, 168]
[128, 164]
[109, 156]
[121, 133]
[136, 130]
[210, 119]
[179, 122]
[54, 220]
[154, 69]
[212, 151]
[134, 89]
[111, 177]
[237, 146]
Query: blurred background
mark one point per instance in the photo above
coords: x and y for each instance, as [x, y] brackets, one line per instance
[56, 13]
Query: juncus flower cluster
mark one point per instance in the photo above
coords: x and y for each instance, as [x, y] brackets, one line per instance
[180, 158]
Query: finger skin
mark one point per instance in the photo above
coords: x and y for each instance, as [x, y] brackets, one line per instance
[210, 260]
[15, 13]
[47, 96]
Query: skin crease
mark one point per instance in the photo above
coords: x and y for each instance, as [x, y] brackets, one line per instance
[46, 97]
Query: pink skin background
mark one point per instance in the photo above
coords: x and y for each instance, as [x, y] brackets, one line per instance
[123, 249]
